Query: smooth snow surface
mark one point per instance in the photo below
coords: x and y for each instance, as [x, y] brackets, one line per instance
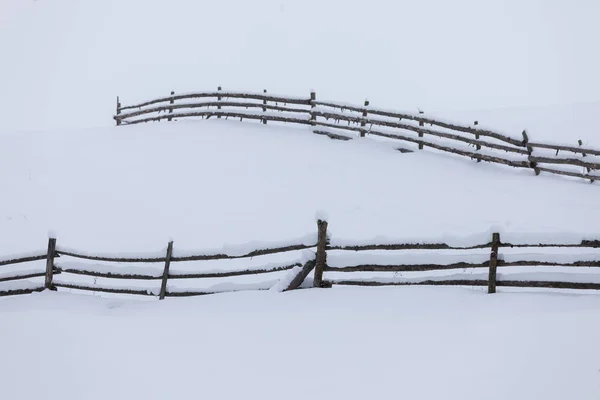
[341, 343]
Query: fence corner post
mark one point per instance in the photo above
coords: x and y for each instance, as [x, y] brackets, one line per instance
[493, 263]
[363, 121]
[165, 277]
[50, 264]
[117, 118]
[170, 109]
[321, 258]
[219, 99]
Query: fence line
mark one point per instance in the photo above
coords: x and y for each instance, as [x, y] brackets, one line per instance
[324, 114]
[319, 261]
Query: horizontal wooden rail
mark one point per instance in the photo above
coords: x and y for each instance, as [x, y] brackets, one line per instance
[565, 161]
[232, 273]
[26, 276]
[112, 275]
[23, 259]
[585, 244]
[462, 282]
[424, 120]
[407, 246]
[221, 94]
[210, 114]
[549, 263]
[567, 173]
[104, 289]
[210, 104]
[111, 259]
[190, 293]
[406, 267]
[564, 148]
[15, 292]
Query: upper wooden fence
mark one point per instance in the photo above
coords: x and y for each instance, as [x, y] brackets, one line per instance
[342, 120]
[328, 259]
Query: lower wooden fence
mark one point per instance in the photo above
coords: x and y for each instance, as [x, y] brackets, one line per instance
[329, 259]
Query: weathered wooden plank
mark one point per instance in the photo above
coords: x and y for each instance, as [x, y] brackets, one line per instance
[321, 259]
[571, 149]
[165, 277]
[298, 279]
[50, 263]
[457, 282]
[493, 263]
[112, 275]
[566, 161]
[21, 291]
[210, 114]
[222, 94]
[407, 246]
[23, 259]
[573, 174]
[233, 273]
[26, 276]
[260, 252]
[404, 267]
[103, 289]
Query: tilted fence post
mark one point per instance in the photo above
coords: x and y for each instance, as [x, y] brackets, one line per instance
[50, 263]
[118, 119]
[532, 164]
[363, 121]
[493, 263]
[165, 277]
[321, 258]
[264, 120]
[170, 109]
[313, 116]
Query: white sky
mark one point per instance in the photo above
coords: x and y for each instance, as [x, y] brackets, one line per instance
[74, 56]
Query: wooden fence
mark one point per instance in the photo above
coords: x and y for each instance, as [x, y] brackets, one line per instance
[325, 261]
[344, 122]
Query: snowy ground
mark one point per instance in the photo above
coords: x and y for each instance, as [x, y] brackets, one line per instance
[209, 184]
[342, 343]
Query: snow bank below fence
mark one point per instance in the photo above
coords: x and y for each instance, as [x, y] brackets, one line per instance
[413, 342]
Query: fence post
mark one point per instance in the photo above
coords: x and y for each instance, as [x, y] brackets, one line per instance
[163, 286]
[421, 123]
[321, 258]
[363, 122]
[493, 263]
[219, 99]
[264, 120]
[170, 109]
[118, 112]
[50, 263]
[313, 116]
[529, 151]
[477, 146]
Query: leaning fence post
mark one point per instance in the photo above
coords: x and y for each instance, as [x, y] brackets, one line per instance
[163, 286]
[117, 118]
[219, 99]
[493, 263]
[170, 109]
[363, 121]
[50, 263]
[321, 258]
[532, 164]
[313, 116]
[264, 120]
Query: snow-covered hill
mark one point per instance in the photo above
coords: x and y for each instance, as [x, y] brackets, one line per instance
[205, 184]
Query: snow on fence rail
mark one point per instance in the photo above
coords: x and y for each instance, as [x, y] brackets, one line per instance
[344, 119]
[359, 263]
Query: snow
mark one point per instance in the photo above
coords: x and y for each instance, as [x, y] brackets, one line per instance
[361, 342]
[283, 283]
[208, 185]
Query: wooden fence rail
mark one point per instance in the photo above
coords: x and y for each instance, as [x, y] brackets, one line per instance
[362, 120]
[321, 261]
